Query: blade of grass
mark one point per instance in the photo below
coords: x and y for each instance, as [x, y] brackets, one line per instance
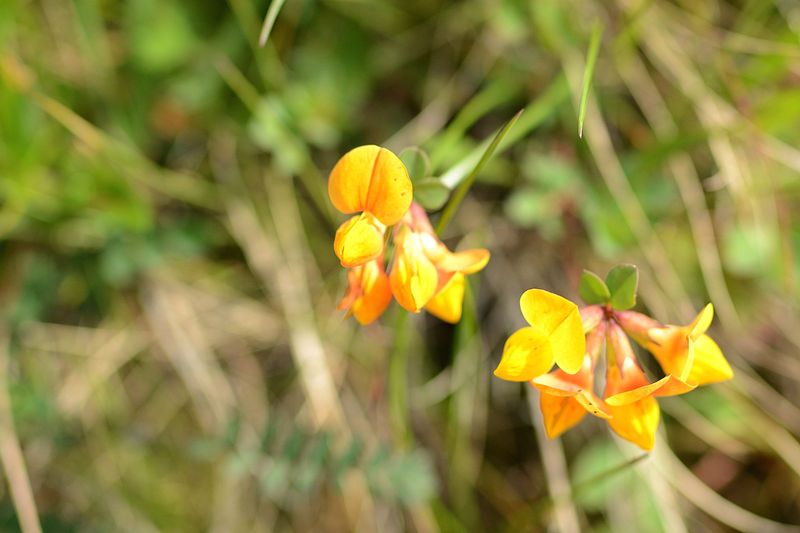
[463, 188]
[269, 21]
[588, 73]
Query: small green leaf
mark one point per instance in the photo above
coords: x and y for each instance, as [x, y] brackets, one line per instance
[623, 281]
[417, 163]
[431, 193]
[592, 289]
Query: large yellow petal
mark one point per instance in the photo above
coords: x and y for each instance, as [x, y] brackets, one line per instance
[560, 413]
[371, 178]
[447, 303]
[526, 355]
[359, 240]
[561, 319]
[709, 366]
[414, 278]
[636, 422]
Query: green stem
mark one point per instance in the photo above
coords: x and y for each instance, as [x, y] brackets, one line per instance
[398, 382]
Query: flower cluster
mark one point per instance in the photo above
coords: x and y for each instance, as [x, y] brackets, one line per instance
[574, 339]
[373, 183]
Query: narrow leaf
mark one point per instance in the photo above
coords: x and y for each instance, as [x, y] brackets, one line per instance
[623, 282]
[461, 191]
[593, 289]
[269, 21]
[588, 72]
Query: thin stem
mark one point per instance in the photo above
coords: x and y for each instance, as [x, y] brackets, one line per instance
[398, 381]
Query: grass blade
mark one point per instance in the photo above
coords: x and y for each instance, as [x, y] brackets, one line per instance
[461, 191]
[588, 73]
[269, 21]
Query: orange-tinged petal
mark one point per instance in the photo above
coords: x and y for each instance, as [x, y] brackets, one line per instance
[709, 365]
[447, 303]
[359, 240]
[376, 294]
[560, 413]
[526, 355]
[468, 261]
[636, 422]
[666, 386]
[561, 320]
[414, 278]
[371, 178]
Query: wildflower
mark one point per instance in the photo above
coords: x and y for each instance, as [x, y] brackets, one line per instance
[425, 273]
[368, 293]
[682, 347]
[566, 398]
[372, 181]
[555, 335]
[629, 395]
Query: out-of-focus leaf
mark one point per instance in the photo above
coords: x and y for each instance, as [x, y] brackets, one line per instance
[431, 193]
[623, 282]
[417, 163]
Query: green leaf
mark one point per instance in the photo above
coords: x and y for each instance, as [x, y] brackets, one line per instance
[623, 281]
[591, 59]
[465, 185]
[592, 289]
[431, 193]
[417, 163]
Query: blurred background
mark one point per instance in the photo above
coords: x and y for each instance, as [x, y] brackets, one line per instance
[171, 358]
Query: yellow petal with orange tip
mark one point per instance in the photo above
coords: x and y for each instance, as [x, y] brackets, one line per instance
[468, 261]
[371, 178]
[359, 240]
[636, 422]
[560, 413]
[561, 321]
[413, 278]
[526, 355]
[709, 365]
[447, 303]
[667, 386]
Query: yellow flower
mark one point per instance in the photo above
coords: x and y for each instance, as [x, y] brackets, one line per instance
[555, 335]
[372, 181]
[630, 396]
[566, 398]
[425, 273]
[368, 293]
[688, 351]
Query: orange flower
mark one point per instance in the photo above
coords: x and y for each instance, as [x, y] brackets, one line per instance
[630, 396]
[368, 293]
[566, 398]
[555, 335]
[373, 181]
[425, 273]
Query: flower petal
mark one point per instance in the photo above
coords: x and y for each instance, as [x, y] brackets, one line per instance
[526, 355]
[468, 261]
[359, 240]
[375, 294]
[709, 366]
[560, 413]
[636, 422]
[413, 278]
[701, 322]
[561, 319]
[666, 386]
[447, 303]
[371, 178]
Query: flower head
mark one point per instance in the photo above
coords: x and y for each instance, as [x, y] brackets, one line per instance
[425, 273]
[566, 398]
[368, 293]
[372, 181]
[555, 335]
